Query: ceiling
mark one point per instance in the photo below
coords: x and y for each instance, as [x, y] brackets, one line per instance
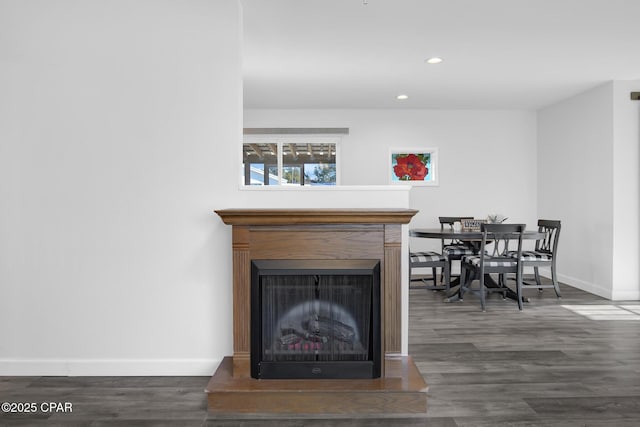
[498, 54]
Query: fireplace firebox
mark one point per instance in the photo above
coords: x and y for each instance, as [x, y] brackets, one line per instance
[315, 319]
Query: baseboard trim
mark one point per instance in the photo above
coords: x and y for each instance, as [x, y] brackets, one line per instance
[592, 288]
[630, 295]
[633, 295]
[108, 367]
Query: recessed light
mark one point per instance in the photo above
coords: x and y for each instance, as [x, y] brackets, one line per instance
[402, 97]
[434, 60]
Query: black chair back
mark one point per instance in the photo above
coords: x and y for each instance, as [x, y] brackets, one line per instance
[499, 237]
[447, 222]
[551, 230]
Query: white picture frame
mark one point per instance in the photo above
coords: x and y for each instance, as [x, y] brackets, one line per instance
[413, 166]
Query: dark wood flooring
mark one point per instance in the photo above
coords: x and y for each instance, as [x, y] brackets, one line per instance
[545, 366]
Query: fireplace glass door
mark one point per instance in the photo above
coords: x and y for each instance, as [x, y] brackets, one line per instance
[315, 319]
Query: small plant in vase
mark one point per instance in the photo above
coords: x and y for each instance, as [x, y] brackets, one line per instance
[496, 218]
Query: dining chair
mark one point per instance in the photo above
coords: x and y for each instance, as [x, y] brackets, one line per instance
[494, 258]
[454, 249]
[433, 260]
[544, 255]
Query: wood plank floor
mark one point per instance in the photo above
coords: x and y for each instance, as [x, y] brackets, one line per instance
[545, 366]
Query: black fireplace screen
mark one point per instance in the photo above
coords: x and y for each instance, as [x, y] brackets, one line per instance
[315, 319]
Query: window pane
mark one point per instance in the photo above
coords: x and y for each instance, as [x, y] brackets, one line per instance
[258, 157]
[320, 167]
[320, 174]
[291, 174]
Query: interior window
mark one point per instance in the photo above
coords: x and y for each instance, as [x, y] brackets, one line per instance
[292, 161]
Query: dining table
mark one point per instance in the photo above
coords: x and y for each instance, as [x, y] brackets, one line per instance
[474, 237]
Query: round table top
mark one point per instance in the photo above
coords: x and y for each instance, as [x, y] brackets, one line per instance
[436, 233]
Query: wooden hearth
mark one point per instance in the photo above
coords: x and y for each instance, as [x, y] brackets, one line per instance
[317, 234]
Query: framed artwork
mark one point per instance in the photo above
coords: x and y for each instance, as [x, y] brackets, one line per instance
[415, 166]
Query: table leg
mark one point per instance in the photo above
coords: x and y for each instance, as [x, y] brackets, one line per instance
[489, 282]
[452, 294]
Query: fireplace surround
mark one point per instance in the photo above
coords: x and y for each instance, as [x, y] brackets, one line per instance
[319, 237]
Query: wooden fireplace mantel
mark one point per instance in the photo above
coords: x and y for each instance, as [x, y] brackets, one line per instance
[315, 216]
[317, 234]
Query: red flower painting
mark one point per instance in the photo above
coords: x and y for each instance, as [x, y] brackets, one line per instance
[410, 167]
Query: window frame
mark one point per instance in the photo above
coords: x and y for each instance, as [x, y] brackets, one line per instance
[280, 140]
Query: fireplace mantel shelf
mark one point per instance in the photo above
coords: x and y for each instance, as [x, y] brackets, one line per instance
[315, 216]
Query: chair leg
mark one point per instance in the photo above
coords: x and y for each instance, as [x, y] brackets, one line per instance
[447, 277]
[434, 276]
[482, 292]
[519, 289]
[463, 281]
[442, 275]
[502, 282]
[537, 276]
[554, 279]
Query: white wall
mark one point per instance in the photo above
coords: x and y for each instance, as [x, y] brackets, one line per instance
[115, 120]
[588, 160]
[487, 159]
[626, 192]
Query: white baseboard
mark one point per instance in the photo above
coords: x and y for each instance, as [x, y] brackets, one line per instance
[592, 288]
[632, 295]
[108, 367]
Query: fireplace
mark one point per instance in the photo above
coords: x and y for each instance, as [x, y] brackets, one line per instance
[315, 319]
[332, 342]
